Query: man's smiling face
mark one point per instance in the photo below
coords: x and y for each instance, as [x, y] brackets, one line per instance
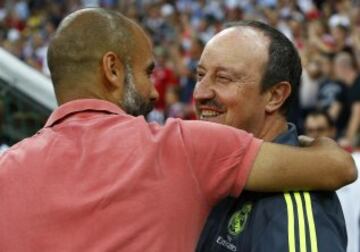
[229, 74]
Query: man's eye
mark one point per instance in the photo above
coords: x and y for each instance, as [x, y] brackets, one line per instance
[223, 78]
[199, 76]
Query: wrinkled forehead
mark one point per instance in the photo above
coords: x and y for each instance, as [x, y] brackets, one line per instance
[240, 47]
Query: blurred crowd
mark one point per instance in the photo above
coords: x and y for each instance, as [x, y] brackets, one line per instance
[326, 33]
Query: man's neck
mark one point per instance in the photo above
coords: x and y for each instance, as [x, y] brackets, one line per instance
[67, 95]
[274, 125]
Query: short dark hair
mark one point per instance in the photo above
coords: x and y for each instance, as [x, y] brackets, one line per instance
[284, 62]
[323, 113]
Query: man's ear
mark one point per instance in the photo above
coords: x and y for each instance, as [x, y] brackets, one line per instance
[277, 95]
[113, 70]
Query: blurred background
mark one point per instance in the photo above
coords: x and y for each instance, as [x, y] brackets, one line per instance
[326, 33]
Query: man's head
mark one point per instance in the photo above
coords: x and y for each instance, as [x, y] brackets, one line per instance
[326, 65]
[97, 53]
[319, 124]
[344, 67]
[246, 74]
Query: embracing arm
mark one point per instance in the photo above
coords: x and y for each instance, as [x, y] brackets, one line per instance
[322, 166]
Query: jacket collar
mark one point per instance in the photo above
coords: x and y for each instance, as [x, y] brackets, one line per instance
[290, 137]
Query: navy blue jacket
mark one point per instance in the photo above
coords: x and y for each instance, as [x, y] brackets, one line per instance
[276, 222]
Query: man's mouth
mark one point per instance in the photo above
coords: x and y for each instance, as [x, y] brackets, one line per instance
[208, 114]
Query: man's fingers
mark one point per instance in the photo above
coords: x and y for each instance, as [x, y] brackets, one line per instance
[305, 141]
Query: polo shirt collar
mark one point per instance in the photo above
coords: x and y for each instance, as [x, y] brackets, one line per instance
[81, 105]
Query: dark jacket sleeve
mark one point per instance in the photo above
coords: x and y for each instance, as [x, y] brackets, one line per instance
[281, 222]
[329, 222]
[303, 222]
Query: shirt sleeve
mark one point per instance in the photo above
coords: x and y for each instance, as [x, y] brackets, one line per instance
[220, 157]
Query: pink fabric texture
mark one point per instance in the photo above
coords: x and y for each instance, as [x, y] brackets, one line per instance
[97, 179]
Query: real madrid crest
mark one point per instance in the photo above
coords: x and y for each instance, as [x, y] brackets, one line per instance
[238, 220]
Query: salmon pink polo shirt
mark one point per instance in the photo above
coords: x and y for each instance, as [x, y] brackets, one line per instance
[97, 179]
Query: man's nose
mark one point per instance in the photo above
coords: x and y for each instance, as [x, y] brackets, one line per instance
[203, 91]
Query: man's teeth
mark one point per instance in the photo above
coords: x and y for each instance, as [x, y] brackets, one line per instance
[209, 113]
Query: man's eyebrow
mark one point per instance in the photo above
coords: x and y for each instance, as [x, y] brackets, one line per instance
[230, 70]
[199, 67]
[227, 69]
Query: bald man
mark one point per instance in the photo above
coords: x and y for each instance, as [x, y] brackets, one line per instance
[96, 178]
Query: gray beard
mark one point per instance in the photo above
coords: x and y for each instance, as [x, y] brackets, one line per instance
[133, 103]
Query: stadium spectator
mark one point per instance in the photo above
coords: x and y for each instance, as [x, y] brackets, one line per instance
[95, 165]
[163, 75]
[310, 84]
[345, 71]
[174, 108]
[187, 69]
[319, 124]
[316, 27]
[251, 86]
[332, 93]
